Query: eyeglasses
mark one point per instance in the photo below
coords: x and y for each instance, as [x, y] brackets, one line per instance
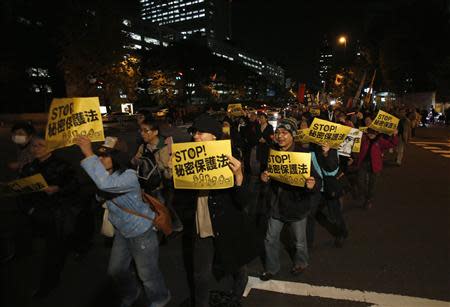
[146, 130]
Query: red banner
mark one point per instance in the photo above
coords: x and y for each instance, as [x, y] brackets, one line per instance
[301, 92]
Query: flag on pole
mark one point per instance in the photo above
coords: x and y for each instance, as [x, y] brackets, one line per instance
[301, 92]
[358, 91]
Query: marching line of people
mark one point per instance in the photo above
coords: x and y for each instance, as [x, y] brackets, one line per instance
[224, 229]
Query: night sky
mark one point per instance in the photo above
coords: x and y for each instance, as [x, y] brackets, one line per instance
[291, 32]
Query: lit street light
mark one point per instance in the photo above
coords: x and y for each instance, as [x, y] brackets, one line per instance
[343, 41]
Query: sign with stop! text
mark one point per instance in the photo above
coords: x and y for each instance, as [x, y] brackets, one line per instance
[69, 118]
[322, 131]
[289, 167]
[202, 165]
[31, 184]
[384, 123]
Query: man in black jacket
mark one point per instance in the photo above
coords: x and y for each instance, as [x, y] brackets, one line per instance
[49, 210]
[289, 204]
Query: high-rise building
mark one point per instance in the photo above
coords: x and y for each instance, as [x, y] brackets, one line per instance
[209, 18]
[326, 62]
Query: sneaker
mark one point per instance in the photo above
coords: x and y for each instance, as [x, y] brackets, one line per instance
[265, 276]
[297, 270]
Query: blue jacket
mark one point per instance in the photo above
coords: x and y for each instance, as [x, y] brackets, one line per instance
[127, 185]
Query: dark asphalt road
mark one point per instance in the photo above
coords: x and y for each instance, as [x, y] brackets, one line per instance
[401, 246]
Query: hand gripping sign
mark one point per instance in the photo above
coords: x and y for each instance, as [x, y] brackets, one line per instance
[25, 185]
[384, 123]
[72, 117]
[322, 131]
[289, 167]
[202, 165]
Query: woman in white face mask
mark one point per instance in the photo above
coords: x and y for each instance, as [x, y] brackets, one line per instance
[21, 135]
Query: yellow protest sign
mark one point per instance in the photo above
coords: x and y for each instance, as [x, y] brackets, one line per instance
[322, 131]
[357, 135]
[289, 167]
[302, 136]
[384, 123]
[363, 129]
[202, 165]
[25, 185]
[235, 109]
[315, 111]
[72, 117]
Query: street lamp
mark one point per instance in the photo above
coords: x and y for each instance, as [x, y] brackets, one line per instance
[343, 41]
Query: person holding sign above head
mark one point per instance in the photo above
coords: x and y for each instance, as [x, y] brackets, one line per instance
[370, 162]
[223, 237]
[135, 239]
[48, 210]
[289, 204]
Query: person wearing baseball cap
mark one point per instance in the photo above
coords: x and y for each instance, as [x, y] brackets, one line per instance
[224, 239]
[289, 205]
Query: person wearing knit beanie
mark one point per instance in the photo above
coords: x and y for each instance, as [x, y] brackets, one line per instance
[207, 124]
[290, 124]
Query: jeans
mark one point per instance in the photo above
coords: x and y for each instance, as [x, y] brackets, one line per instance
[272, 244]
[203, 264]
[144, 251]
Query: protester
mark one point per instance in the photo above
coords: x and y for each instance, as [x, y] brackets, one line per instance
[156, 181]
[370, 163]
[289, 205]
[49, 211]
[223, 237]
[404, 130]
[135, 246]
[265, 140]
[22, 135]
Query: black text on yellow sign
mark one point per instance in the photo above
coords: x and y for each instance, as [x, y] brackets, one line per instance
[322, 131]
[385, 123]
[25, 185]
[202, 165]
[72, 117]
[289, 167]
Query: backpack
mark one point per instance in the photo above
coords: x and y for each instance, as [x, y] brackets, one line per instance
[148, 173]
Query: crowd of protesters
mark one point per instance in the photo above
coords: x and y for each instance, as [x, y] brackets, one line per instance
[224, 229]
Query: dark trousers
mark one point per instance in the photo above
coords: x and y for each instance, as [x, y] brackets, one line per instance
[203, 276]
[334, 223]
[367, 181]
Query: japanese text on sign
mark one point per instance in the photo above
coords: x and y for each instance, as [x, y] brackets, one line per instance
[289, 167]
[384, 123]
[202, 165]
[322, 131]
[72, 117]
[25, 185]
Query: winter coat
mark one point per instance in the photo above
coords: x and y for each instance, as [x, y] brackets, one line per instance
[291, 203]
[234, 234]
[379, 144]
[56, 209]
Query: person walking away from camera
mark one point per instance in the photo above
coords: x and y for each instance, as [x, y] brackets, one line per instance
[370, 162]
[224, 239]
[22, 135]
[49, 210]
[135, 247]
[404, 131]
[289, 205]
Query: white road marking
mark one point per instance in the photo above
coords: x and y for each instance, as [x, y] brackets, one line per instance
[431, 143]
[378, 299]
[431, 147]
